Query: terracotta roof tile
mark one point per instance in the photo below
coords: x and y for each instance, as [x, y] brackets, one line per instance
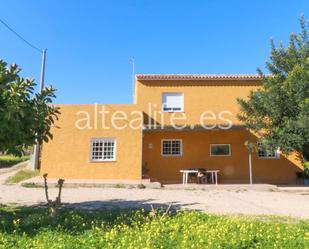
[198, 76]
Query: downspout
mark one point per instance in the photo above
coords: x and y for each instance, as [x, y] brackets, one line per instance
[250, 167]
[142, 146]
[251, 146]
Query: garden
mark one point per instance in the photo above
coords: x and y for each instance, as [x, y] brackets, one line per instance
[32, 227]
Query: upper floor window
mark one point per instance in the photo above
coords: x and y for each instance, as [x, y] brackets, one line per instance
[262, 153]
[103, 149]
[171, 147]
[268, 155]
[220, 149]
[172, 102]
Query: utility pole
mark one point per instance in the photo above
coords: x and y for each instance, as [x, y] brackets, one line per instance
[42, 70]
[36, 147]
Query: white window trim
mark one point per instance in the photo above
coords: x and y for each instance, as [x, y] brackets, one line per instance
[277, 155]
[230, 150]
[103, 160]
[172, 139]
[172, 111]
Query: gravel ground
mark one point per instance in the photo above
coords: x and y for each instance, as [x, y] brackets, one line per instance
[214, 201]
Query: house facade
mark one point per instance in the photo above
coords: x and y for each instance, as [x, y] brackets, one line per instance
[175, 122]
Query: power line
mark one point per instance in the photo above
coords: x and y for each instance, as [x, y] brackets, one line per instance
[20, 37]
[35, 162]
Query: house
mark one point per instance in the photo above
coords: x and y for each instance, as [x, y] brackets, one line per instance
[175, 122]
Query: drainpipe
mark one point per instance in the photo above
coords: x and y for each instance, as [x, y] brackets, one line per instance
[251, 146]
[142, 146]
[250, 166]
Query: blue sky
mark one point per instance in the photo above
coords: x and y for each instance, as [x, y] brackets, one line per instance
[89, 43]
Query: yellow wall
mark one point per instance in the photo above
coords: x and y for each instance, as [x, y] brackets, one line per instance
[196, 154]
[199, 96]
[68, 154]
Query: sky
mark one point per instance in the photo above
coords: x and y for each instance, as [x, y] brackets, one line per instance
[90, 43]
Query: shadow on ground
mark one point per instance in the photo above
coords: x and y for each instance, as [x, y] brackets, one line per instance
[124, 204]
[76, 218]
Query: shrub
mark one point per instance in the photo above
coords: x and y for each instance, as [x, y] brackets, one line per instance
[141, 186]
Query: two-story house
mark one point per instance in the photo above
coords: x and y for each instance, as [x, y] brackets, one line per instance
[175, 122]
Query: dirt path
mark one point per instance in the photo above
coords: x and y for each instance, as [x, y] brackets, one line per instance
[7, 172]
[222, 201]
[214, 201]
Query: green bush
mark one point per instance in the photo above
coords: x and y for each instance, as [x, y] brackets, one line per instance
[22, 175]
[141, 186]
[33, 228]
[8, 160]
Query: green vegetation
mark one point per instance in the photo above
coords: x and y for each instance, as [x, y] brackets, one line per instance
[33, 228]
[22, 175]
[9, 160]
[278, 112]
[306, 164]
[141, 186]
[31, 185]
[119, 186]
[26, 116]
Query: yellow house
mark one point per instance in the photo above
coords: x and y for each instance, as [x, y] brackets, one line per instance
[176, 122]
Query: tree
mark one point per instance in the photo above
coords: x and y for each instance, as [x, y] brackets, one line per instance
[25, 117]
[278, 112]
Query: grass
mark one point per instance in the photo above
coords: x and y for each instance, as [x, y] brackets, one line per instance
[22, 175]
[119, 186]
[31, 185]
[32, 227]
[9, 160]
[141, 186]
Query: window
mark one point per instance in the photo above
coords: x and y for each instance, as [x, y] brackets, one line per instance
[263, 154]
[103, 149]
[172, 102]
[220, 150]
[171, 147]
[267, 155]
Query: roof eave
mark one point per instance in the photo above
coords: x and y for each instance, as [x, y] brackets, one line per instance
[204, 77]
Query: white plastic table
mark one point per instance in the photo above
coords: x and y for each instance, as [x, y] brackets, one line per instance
[214, 175]
[186, 172]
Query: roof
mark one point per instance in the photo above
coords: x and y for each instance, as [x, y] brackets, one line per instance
[198, 77]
